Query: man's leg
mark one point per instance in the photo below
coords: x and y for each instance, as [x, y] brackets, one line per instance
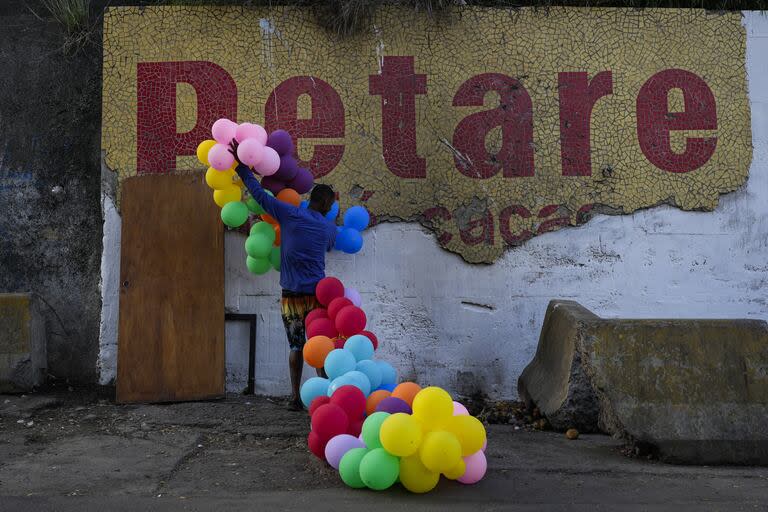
[296, 365]
[293, 320]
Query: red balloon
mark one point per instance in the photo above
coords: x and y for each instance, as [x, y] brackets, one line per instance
[328, 289]
[322, 327]
[350, 321]
[372, 337]
[339, 342]
[355, 427]
[314, 315]
[329, 420]
[351, 399]
[336, 305]
[317, 402]
[316, 445]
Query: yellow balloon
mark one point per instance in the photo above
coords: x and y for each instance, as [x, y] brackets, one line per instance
[218, 180]
[433, 406]
[202, 151]
[415, 477]
[470, 432]
[456, 471]
[400, 434]
[440, 451]
[227, 195]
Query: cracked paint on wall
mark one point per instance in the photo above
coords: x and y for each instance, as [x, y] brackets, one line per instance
[489, 129]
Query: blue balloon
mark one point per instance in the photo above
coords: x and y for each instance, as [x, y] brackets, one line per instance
[349, 240]
[304, 204]
[357, 218]
[333, 212]
[338, 362]
[312, 388]
[388, 373]
[371, 370]
[360, 381]
[338, 382]
[360, 346]
[387, 387]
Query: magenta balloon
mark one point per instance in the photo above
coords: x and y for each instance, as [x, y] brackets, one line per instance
[270, 162]
[303, 181]
[459, 410]
[220, 158]
[223, 131]
[272, 184]
[289, 167]
[250, 152]
[338, 446]
[393, 405]
[280, 141]
[476, 467]
[251, 131]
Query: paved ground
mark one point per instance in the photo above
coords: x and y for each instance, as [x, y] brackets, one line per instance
[73, 451]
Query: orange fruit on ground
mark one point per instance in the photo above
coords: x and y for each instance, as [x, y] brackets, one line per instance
[406, 391]
[316, 349]
[374, 399]
[290, 196]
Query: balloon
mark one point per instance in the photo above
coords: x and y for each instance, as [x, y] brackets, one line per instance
[315, 314]
[357, 218]
[459, 410]
[379, 469]
[400, 434]
[468, 430]
[290, 196]
[220, 158]
[316, 445]
[333, 212]
[269, 163]
[234, 214]
[313, 388]
[258, 246]
[415, 477]
[227, 195]
[202, 151]
[433, 406]
[369, 368]
[257, 266]
[371, 336]
[338, 446]
[263, 228]
[256, 207]
[349, 240]
[350, 321]
[339, 342]
[302, 182]
[280, 141]
[272, 184]
[349, 467]
[439, 451]
[328, 289]
[316, 350]
[371, 427]
[406, 391]
[322, 327]
[388, 373]
[223, 131]
[456, 471]
[329, 420]
[362, 348]
[359, 380]
[317, 402]
[374, 399]
[338, 362]
[304, 204]
[251, 131]
[289, 167]
[277, 235]
[354, 296]
[388, 387]
[336, 305]
[250, 152]
[394, 405]
[268, 219]
[351, 399]
[355, 427]
[218, 180]
[476, 468]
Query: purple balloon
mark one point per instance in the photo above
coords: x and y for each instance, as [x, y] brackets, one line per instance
[289, 167]
[280, 141]
[338, 446]
[303, 181]
[272, 184]
[393, 405]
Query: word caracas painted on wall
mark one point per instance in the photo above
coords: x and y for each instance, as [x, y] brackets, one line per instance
[489, 129]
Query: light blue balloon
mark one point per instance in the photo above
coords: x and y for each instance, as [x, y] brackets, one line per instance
[333, 212]
[338, 362]
[312, 388]
[372, 371]
[360, 346]
[360, 381]
[339, 382]
[388, 373]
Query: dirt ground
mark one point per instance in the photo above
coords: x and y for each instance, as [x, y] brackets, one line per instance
[74, 450]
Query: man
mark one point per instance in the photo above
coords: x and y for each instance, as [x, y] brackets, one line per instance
[306, 236]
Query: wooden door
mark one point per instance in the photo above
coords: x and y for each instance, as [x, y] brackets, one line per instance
[171, 334]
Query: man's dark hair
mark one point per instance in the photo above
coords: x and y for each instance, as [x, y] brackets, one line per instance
[322, 194]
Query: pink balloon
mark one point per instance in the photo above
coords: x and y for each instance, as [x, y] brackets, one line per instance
[338, 446]
[270, 162]
[354, 296]
[220, 158]
[251, 131]
[459, 410]
[485, 444]
[250, 152]
[476, 468]
[224, 131]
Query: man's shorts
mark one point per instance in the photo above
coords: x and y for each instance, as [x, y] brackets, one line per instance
[296, 307]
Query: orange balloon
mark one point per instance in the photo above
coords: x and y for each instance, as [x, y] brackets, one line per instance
[277, 235]
[406, 391]
[374, 399]
[268, 218]
[290, 196]
[316, 349]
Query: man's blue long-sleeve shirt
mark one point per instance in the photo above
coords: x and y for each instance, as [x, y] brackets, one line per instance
[306, 236]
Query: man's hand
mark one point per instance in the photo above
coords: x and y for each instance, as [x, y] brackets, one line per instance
[233, 149]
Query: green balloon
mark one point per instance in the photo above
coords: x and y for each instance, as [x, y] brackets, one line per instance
[274, 258]
[258, 246]
[255, 207]
[234, 214]
[371, 428]
[349, 467]
[257, 266]
[379, 470]
[264, 228]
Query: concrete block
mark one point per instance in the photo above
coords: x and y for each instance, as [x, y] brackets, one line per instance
[23, 353]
